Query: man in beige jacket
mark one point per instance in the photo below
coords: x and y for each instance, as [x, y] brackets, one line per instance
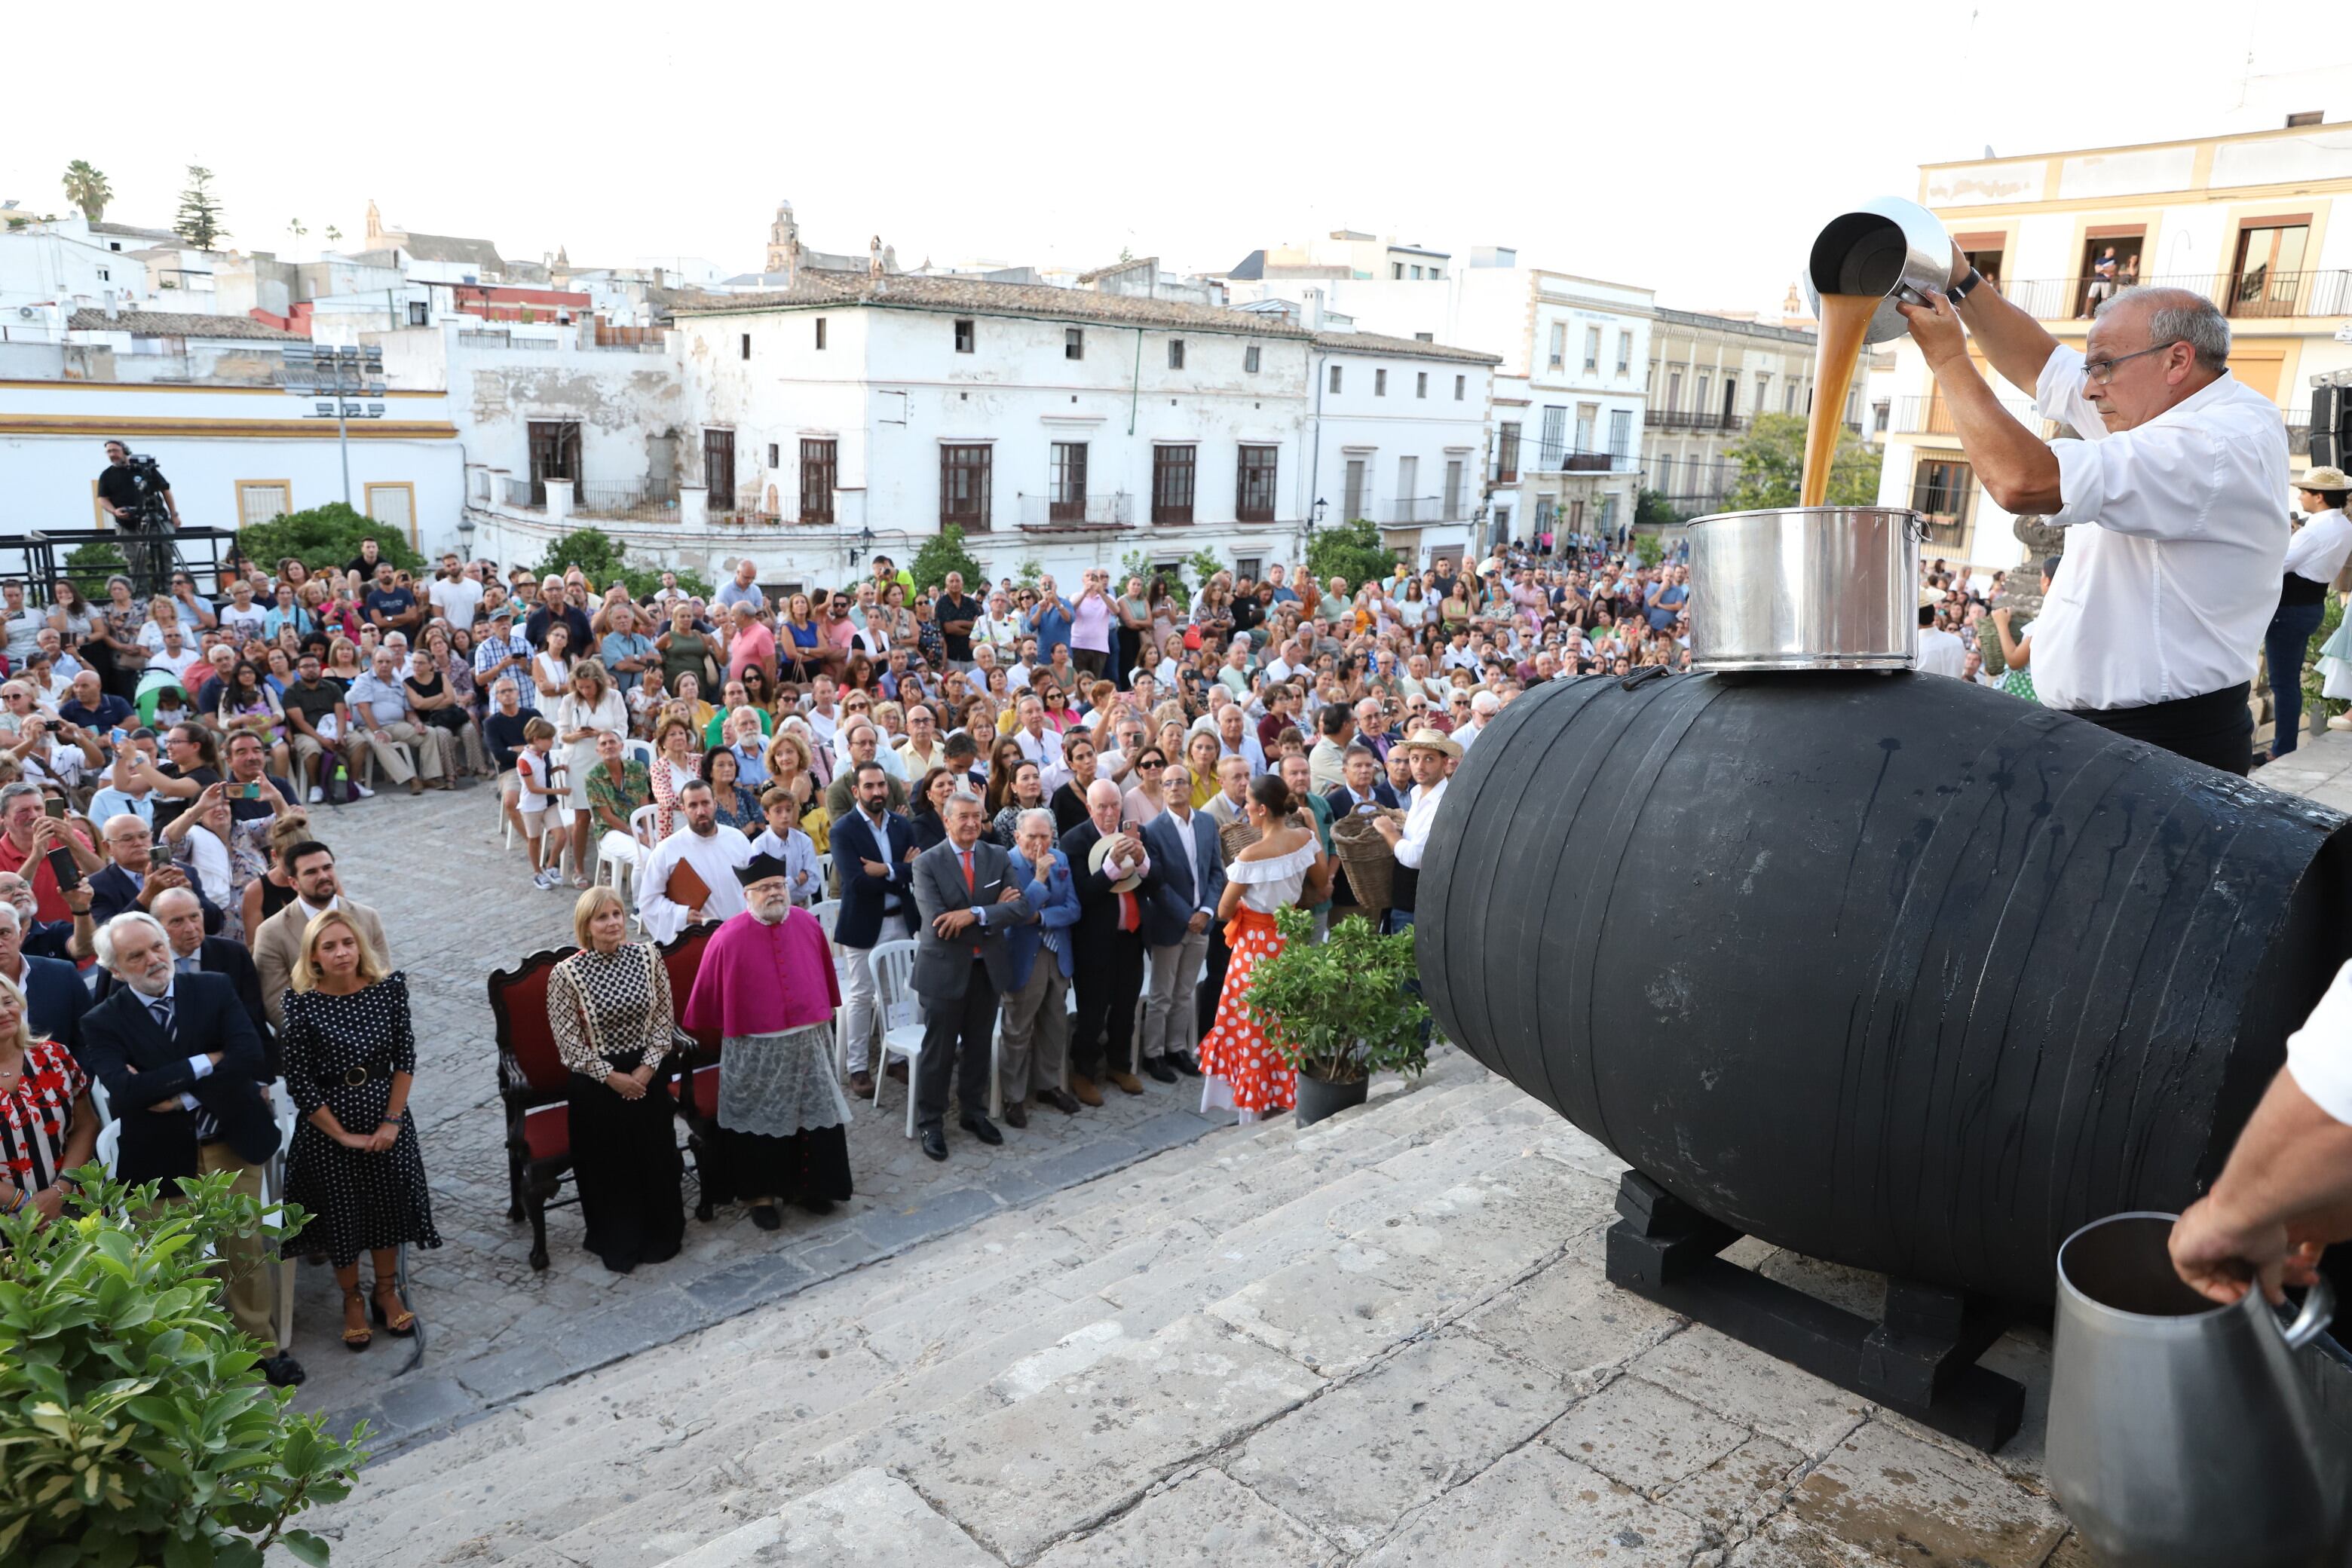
[278, 944]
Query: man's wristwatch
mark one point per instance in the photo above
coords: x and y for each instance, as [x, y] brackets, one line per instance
[1964, 286]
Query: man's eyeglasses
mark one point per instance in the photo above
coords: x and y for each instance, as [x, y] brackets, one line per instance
[2099, 371]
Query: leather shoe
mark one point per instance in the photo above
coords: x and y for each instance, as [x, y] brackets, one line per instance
[1158, 1070]
[897, 1070]
[861, 1083]
[282, 1371]
[935, 1143]
[1127, 1081]
[982, 1128]
[1183, 1063]
[1084, 1088]
[1061, 1100]
[765, 1217]
[1016, 1114]
[816, 1203]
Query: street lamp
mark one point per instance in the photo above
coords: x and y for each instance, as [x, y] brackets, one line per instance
[1319, 504]
[335, 377]
[865, 543]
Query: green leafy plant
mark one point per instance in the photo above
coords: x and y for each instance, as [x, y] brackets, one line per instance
[1771, 458]
[89, 565]
[134, 1425]
[86, 188]
[1029, 573]
[942, 553]
[1350, 550]
[1340, 1009]
[1652, 509]
[1202, 565]
[602, 561]
[199, 221]
[325, 538]
[1649, 549]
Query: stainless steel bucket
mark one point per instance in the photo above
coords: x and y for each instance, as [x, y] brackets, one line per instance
[1886, 247]
[2182, 1433]
[1823, 587]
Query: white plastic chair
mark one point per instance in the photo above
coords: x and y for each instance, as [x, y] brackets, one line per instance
[273, 1213]
[101, 1102]
[109, 1145]
[616, 870]
[828, 912]
[638, 751]
[902, 1016]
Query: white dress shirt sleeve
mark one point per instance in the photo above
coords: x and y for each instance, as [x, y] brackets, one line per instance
[2320, 1054]
[2319, 547]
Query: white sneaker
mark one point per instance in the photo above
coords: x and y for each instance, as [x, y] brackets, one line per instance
[316, 794]
[364, 792]
[546, 879]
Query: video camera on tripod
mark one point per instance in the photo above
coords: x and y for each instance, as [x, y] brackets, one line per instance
[148, 512]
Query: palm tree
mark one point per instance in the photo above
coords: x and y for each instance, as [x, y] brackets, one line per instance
[334, 234]
[86, 188]
[294, 226]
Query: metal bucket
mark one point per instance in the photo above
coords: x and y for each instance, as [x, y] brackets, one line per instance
[1824, 587]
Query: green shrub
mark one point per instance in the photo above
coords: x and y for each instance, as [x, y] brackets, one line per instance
[1340, 1007]
[1349, 549]
[604, 562]
[134, 1426]
[2330, 619]
[324, 538]
[89, 565]
[944, 552]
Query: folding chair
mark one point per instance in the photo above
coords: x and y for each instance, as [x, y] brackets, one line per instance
[902, 1016]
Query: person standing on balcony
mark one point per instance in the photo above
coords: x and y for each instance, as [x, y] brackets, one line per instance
[2174, 492]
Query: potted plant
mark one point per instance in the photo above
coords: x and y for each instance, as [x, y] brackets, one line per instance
[1342, 1009]
[134, 1425]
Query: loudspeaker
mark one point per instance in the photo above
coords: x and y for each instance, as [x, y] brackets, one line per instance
[2331, 425]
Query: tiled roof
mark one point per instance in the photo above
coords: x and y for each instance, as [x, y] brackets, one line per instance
[448, 248]
[906, 291]
[177, 324]
[1375, 344]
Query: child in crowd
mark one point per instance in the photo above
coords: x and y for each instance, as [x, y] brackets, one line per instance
[784, 839]
[539, 783]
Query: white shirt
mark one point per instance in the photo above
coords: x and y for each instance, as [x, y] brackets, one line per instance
[714, 860]
[2319, 547]
[2166, 593]
[1044, 748]
[1191, 849]
[1418, 820]
[1941, 652]
[2320, 1054]
[455, 598]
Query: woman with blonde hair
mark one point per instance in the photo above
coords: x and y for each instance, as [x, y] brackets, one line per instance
[594, 707]
[350, 1052]
[610, 1009]
[47, 1125]
[1201, 751]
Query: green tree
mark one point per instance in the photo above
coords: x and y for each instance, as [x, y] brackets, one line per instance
[199, 222]
[942, 553]
[136, 1424]
[1031, 572]
[1202, 564]
[294, 226]
[1649, 549]
[602, 562]
[1350, 550]
[1771, 458]
[334, 234]
[86, 188]
[324, 538]
[89, 565]
[1652, 509]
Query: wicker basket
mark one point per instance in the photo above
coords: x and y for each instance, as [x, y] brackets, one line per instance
[1234, 837]
[1366, 856]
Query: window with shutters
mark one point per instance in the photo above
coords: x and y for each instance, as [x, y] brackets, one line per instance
[1461, 385]
[1625, 353]
[965, 336]
[1352, 500]
[820, 331]
[1171, 483]
[1068, 502]
[1175, 353]
[1380, 383]
[258, 501]
[1074, 343]
[1335, 378]
[1453, 488]
[1592, 351]
[1620, 432]
[964, 487]
[1420, 384]
[1507, 453]
[1250, 359]
[818, 462]
[1255, 500]
[1558, 346]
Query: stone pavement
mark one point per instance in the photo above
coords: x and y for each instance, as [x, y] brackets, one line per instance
[1382, 1341]
[2320, 770]
[455, 907]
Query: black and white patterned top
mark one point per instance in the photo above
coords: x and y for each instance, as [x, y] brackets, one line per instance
[601, 1007]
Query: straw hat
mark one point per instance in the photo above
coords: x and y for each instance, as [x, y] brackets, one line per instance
[1101, 852]
[1434, 740]
[2324, 479]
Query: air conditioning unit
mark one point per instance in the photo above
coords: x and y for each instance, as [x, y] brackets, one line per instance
[27, 312]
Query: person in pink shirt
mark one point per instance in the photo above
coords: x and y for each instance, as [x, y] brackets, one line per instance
[1091, 619]
[753, 646]
[767, 987]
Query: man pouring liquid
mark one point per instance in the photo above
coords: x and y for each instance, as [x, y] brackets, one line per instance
[2177, 494]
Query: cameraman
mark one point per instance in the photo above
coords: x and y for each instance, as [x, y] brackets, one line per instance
[122, 488]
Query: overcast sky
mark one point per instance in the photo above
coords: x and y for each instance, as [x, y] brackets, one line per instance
[1695, 150]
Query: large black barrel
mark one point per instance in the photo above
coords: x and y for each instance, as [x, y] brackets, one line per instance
[1892, 970]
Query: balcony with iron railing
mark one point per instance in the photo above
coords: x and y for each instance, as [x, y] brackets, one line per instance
[2242, 297]
[641, 501]
[1545, 458]
[520, 491]
[1109, 509]
[1406, 512]
[1693, 419]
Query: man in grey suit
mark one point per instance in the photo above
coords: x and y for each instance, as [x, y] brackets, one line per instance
[965, 892]
[1183, 844]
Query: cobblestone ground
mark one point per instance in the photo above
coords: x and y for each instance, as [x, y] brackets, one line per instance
[455, 906]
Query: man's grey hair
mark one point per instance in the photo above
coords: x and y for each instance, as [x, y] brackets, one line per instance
[2182, 315]
[113, 931]
[9, 919]
[965, 797]
[11, 794]
[1032, 818]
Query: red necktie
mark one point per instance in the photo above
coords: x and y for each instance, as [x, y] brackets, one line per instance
[970, 887]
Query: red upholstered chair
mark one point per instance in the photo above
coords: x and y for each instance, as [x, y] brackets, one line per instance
[698, 1091]
[535, 1084]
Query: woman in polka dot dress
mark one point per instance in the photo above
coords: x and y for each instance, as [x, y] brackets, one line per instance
[1243, 1070]
[351, 1055]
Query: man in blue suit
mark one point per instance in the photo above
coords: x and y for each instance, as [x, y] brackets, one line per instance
[1183, 844]
[873, 864]
[55, 997]
[1036, 1019]
[182, 1064]
[132, 880]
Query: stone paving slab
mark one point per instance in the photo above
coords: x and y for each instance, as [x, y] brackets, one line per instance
[1535, 1507]
[1204, 1521]
[455, 905]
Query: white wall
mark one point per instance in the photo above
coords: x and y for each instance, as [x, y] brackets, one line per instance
[38, 269]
